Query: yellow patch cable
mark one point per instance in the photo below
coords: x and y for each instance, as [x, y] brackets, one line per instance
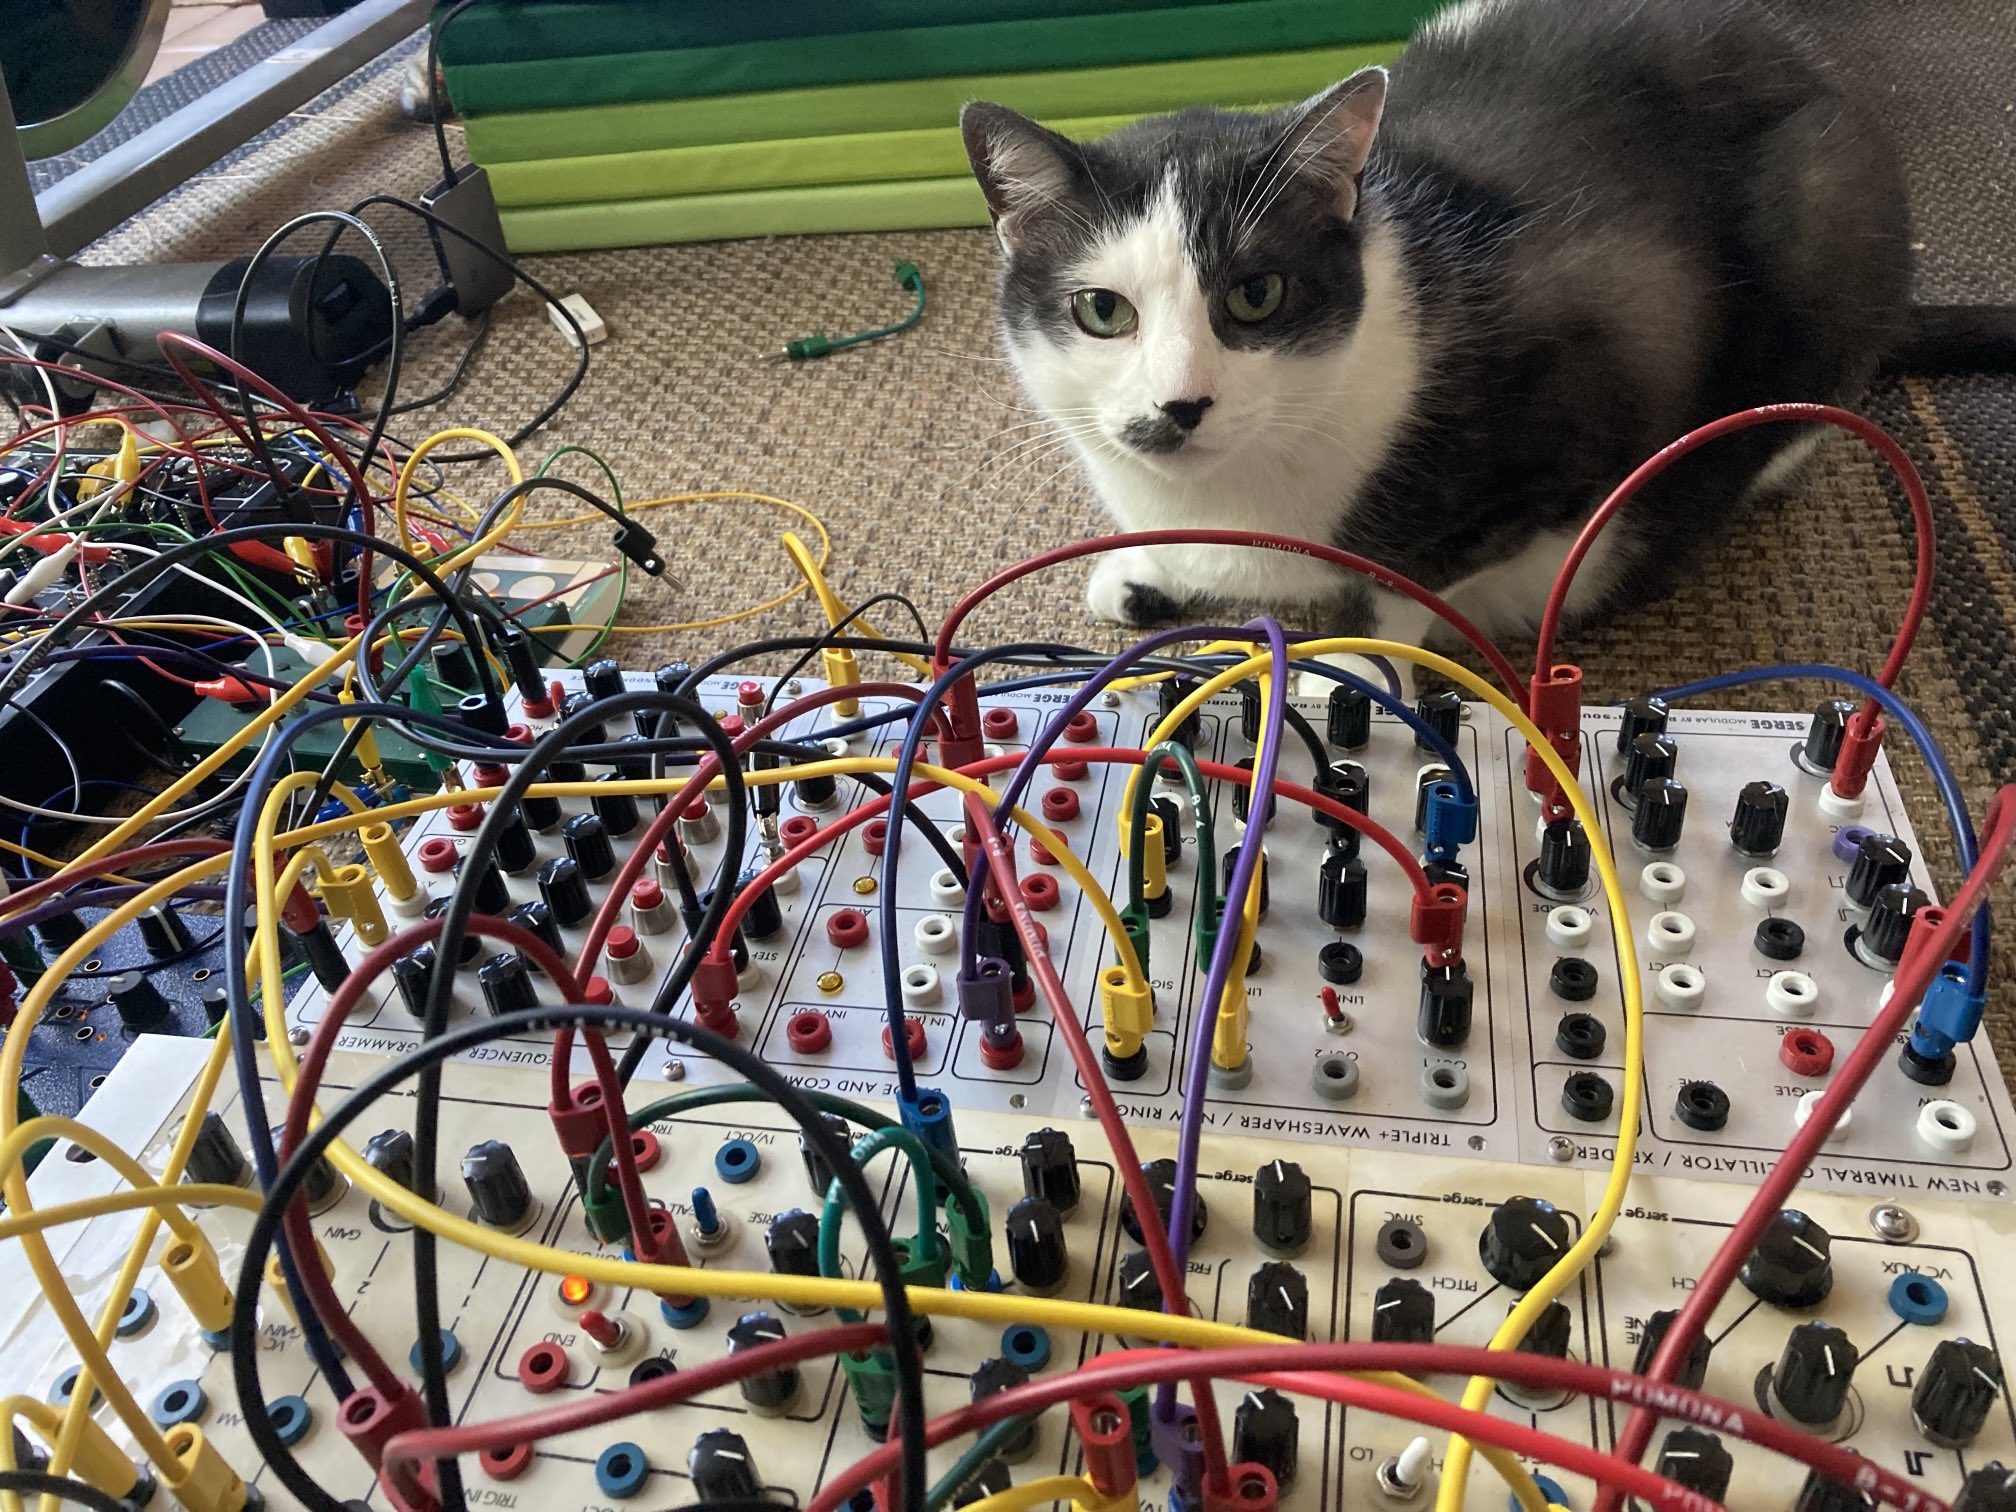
[403, 487]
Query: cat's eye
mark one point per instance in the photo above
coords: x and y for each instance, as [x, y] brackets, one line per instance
[1101, 312]
[1254, 299]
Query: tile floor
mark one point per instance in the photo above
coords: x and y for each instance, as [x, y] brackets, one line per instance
[196, 27]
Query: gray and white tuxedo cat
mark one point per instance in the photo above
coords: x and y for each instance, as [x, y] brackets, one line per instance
[1435, 317]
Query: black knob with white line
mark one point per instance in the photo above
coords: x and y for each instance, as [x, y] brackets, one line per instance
[564, 890]
[1882, 936]
[1810, 1382]
[1442, 712]
[1351, 785]
[722, 1467]
[1050, 1168]
[792, 1242]
[497, 1186]
[1824, 735]
[1644, 715]
[1265, 1432]
[1037, 1253]
[1341, 888]
[1792, 1265]
[1693, 1370]
[1447, 994]
[771, 1391]
[1524, 1238]
[1956, 1390]
[587, 840]
[991, 1377]
[1283, 1207]
[506, 983]
[1403, 1312]
[1564, 858]
[1551, 1333]
[1695, 1458]
[1992, 1488]
[1650, 756]
[138, 1002]
[1135, 1284]
[216, 1156]
[1277, 1300]
[1349, 722]
[1161, 1177]
[1879, 861]
[1757, 828]
[1820, 1494]
[1661, 815]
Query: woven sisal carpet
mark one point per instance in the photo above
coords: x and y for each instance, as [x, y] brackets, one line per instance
[917, 457]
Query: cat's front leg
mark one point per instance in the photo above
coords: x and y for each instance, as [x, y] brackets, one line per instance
[1374, 615]
[1134, 586]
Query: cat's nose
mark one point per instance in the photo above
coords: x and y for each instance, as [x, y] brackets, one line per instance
[1187, 413]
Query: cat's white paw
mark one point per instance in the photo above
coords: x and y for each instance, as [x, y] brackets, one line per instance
[1315, 685]
[1126, 589]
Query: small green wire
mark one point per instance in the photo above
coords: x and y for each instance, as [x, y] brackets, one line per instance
[571, 450]
[888, 1137]
[1200, 810]
[973, 1461]
[806, 348]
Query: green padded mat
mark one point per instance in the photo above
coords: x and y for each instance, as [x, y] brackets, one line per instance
[1175, 32]
[854, 158]
[506, 31]
[917, 104]
[920, 204]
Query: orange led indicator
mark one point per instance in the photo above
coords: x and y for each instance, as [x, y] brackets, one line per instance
[575, 1290]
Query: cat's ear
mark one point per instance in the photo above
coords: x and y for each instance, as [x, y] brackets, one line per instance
[1024, 169]
[1333, 134]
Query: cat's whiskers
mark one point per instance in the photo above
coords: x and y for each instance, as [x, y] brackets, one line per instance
[1044, 423]
[1032, 449]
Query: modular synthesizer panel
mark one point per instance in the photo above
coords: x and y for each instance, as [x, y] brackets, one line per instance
[1766, 930]
[1871, 1324]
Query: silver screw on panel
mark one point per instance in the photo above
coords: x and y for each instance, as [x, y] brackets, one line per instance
[1561, 1149]
[1892, 1224]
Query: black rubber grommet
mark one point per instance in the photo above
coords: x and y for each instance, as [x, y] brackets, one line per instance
[1573, 979]
[1927, 1071]
[1162, 905]
[1402, 1245]
[1581, 1036]
[1340, 963]
[1125, 1068]
[1588, 1096]
[1702, 1105]
[1780, 939]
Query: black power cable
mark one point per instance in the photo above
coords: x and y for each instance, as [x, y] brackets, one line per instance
[63, 1488]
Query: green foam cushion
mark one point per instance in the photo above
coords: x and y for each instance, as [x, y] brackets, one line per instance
[913, 105]
[505, 31]
[865, 157]
[919, 204]
[1181, 32]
